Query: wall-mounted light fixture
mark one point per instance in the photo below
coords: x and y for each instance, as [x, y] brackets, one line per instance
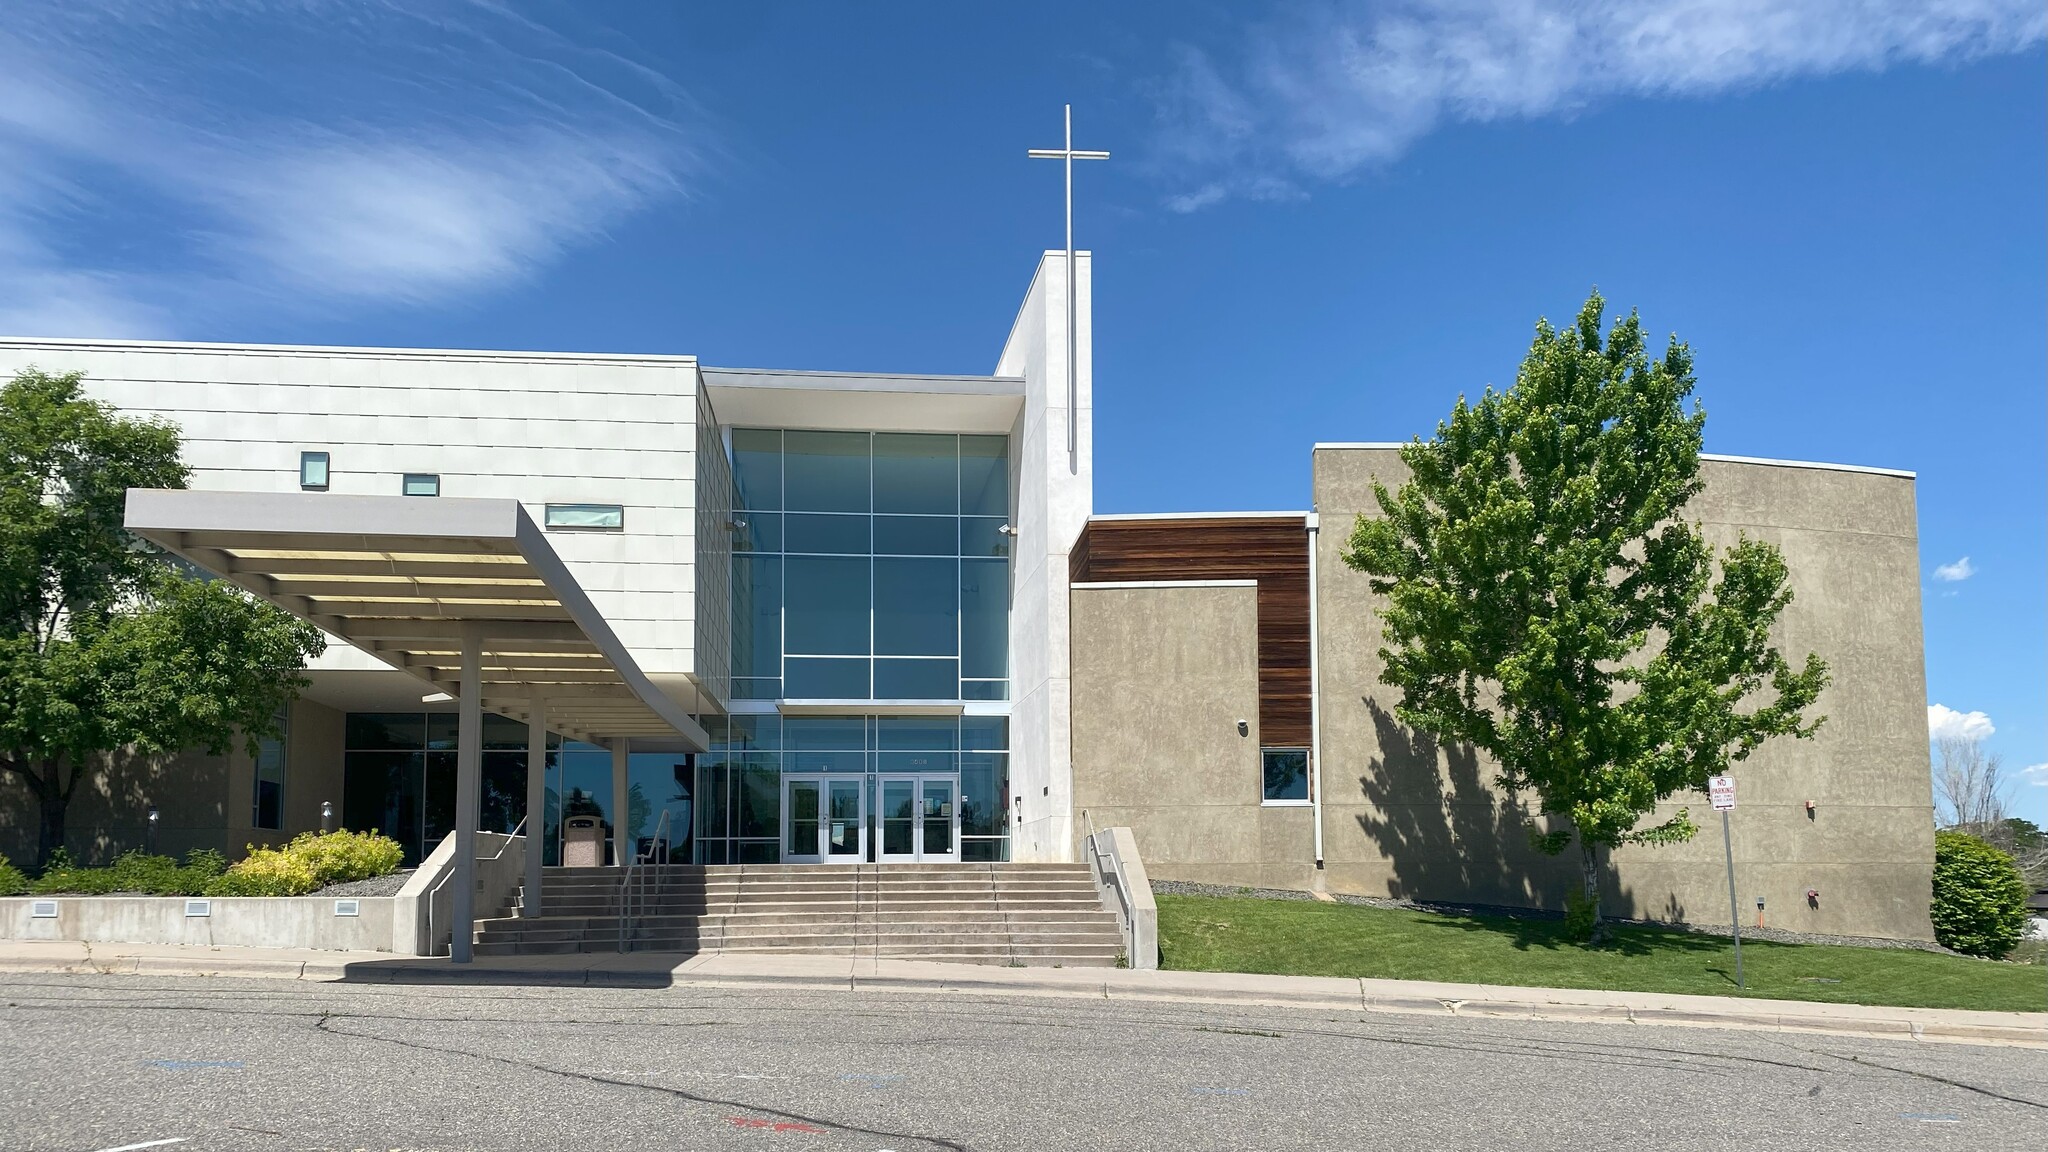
[1006, 530]
[1809, 809]
[1813, 897]
[1244, 728]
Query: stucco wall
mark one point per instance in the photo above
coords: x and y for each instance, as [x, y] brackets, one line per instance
[1405, 819]
[1162, 675]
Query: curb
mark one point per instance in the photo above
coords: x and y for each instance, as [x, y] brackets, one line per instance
[1748, 1016]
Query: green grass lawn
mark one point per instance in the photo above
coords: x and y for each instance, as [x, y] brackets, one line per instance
[1305, 938]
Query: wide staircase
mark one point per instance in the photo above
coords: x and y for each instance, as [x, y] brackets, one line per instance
[1041, 915]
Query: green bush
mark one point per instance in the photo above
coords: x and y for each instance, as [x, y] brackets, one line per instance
[1980, 899]
[311, 861]
[132, 872]
[12, 882]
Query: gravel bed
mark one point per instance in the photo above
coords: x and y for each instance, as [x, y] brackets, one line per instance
[1775, 935]
[387, 885]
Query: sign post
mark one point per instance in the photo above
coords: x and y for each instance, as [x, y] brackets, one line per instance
[1721, 790]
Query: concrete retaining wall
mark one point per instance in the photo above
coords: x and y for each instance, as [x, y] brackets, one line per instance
[231, 921]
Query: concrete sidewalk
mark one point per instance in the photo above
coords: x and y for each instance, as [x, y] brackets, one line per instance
[669, 970]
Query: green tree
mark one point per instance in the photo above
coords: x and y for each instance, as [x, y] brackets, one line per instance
[1547, 604]
[105, 646]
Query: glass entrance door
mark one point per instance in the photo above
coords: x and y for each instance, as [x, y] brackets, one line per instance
[920, 818]
[824, 819]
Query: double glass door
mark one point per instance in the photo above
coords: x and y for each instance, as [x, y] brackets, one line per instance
[824, 819]
[919, 818]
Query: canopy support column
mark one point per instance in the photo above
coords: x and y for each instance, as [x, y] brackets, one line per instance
[622, 835]
[469, 739]
[536, 804]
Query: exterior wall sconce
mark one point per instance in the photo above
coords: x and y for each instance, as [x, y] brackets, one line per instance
[1809, 809]
[1020, 810]
[1813, 897]
[736, 525]
[1006, 530]
[1244, 728]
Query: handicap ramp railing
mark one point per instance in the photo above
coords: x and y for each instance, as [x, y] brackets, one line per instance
[1112, 858]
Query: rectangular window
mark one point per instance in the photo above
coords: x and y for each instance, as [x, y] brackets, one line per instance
[1286, 775]
[826, 607]
[585, 516]
[313, 471]
[270, 764]
[422, 484]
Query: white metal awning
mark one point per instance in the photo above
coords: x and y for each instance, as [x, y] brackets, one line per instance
[407, 578]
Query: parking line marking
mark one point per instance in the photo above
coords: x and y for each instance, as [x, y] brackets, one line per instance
[146, 1144]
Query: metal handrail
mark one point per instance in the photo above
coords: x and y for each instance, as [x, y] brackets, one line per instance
[1129, 917]
[631, 894]
[432, 938]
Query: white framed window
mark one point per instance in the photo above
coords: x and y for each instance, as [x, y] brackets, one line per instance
[602, 517]
[1284, 773]
[271, 755]
[313, 471]
[422, 484]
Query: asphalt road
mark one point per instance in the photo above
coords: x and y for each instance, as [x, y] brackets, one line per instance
[90, 1063]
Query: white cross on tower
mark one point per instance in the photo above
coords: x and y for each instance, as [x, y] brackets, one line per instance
[1073, 387]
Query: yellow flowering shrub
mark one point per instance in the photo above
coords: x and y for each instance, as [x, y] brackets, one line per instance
[312, 860]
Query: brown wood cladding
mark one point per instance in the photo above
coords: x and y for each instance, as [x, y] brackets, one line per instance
[1269, 549]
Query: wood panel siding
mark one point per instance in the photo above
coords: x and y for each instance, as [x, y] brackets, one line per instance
[1272, 550]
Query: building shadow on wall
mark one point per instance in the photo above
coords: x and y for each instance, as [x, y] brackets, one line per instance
[1449, 836]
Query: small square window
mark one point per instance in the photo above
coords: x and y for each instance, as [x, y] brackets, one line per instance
[422, 484]
[585, 516]
[313, 471]
[1286, 775]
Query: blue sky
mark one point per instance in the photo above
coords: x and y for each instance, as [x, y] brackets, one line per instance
[1322, 221]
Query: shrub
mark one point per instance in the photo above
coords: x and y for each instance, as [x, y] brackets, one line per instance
[133, 872]
[311, 861]
[1980, 899]
[12, 882]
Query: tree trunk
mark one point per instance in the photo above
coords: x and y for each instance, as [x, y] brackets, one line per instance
[1589, 862]
[50, 834]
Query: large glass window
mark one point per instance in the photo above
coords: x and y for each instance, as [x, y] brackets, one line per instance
[1286, 775]
[870, 566]
[270, 764]
[398, 778]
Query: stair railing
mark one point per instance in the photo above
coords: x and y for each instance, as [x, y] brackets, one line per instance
[1105, 865]
[633, 885]
[434, 892]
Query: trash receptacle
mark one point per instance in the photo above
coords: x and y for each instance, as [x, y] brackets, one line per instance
[582, 842]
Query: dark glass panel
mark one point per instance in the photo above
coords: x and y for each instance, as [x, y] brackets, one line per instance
[441, 730]
[917, 733]
[984, 851]
[437, 801]
[984, 689]
[831, 733]
[757, 852]
[923, 761]
[825, 471]
[984, 619]
[504, 733]
[380, 792]
[754, 731]
[983, 536]
[984, 475]
[917, 608]
[386, 731]
[757, 468]
[1286, 773]
[756, 616]
[503, 800]
[915, 472]
[827, 532]
[826, 607]
[825, 678]
[759, 798]
[984, 793]
[915, 536]
[756, 688]
[758, 532]
[916, 679]
[985, 733]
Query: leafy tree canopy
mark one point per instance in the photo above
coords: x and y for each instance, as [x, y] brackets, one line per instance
[1547, 603]
[104, 644]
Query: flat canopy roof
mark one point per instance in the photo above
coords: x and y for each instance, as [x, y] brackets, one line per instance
[864, 401]
[406, 578]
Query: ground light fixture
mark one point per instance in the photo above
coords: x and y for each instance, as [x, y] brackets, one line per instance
[326, 816]
[151, 846]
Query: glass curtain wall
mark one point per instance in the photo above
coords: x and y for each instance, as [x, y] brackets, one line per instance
[739, 782]
[398, 777]
[870, 566]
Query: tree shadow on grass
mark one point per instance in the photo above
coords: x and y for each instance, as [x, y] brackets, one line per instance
[1547, 933]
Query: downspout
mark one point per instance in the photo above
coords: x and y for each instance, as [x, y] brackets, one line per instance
[1315, 697]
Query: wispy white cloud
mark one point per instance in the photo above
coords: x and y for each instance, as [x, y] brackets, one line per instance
[2034, 775]
[162, 163]
[1945, 721]
[1333, 88]
[1959, 571]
